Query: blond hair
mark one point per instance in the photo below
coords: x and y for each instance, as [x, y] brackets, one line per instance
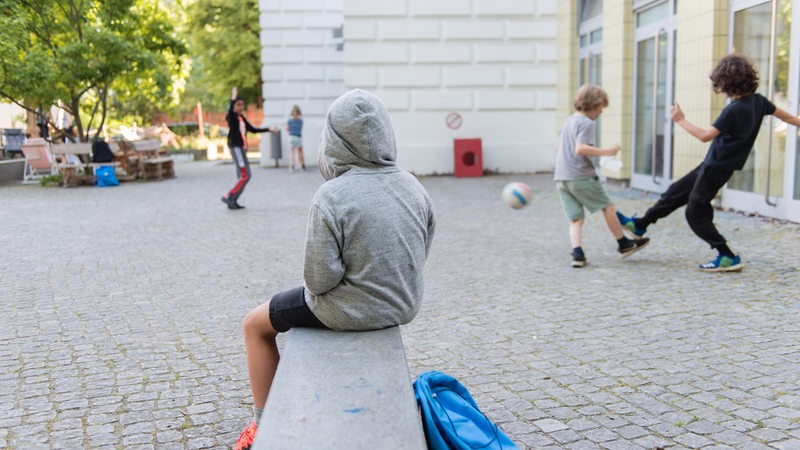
[590, 96]
[296, 112]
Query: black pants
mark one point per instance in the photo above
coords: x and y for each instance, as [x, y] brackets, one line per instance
[696, 190]
[242, 165]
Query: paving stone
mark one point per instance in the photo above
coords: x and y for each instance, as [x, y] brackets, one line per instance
[581, 424]
[652, 442]
[621, 445]
[174, 446]
[101, 439]
[583, 445]
[703, 427]
[729, 437]
[789, 444]
[768, 434]
[550, 425]
[565, 436]
[631, 432]
[201, 443]
[600, 435]
[692, 440]
[136, 439]
[168, 436]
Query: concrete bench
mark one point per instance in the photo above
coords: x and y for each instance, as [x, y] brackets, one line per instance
[341, 390]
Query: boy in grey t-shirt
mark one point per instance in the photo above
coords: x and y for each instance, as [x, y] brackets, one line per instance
[576, 177]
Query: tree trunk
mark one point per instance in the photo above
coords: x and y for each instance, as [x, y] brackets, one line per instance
[30, 120]
[74, 104]
[104, 107]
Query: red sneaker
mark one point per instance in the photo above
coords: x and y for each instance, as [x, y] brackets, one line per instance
[247, 437]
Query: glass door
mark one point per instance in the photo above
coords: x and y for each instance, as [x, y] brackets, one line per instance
[762, 31]
[792, 134]
[653, 93]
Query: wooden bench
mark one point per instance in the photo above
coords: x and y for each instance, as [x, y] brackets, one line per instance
[161, 167]
[341, 390]
[126, 155]
[95, 165]
[69, 171]
[151, 165]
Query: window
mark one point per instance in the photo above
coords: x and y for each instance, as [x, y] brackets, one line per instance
[590, 32]
[589, 9]
[590, 51]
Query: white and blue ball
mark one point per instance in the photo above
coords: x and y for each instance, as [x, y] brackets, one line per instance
[517, 195]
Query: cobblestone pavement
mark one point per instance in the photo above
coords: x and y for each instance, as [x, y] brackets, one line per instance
[120, 312]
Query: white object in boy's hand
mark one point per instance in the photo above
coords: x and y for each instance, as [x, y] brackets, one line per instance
[611, 163]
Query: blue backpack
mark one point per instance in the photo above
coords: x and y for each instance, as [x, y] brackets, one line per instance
[106, 176]
[452, 419]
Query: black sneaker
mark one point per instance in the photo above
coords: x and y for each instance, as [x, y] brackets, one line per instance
[234, 205]
[578, 260]
[632, 247]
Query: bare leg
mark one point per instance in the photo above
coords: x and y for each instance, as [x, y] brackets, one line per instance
[575, 232]
[610, 214]
[300, 157]
[262, 352]
[291, 158]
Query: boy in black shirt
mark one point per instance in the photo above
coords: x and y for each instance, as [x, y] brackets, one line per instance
[238, 127]
[732, 136]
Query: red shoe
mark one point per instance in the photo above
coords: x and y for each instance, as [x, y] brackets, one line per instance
[247, 437]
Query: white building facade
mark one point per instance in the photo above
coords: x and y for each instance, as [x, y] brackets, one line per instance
[303, 64]
[491, 63]
[11, 116]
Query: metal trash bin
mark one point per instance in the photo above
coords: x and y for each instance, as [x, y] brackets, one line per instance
[275, 146]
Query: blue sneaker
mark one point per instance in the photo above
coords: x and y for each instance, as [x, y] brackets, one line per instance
[723, 264]
[629, 226]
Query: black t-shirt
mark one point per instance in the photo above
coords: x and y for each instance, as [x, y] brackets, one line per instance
[738, 126]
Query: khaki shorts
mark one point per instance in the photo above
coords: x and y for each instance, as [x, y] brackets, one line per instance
[579, 194]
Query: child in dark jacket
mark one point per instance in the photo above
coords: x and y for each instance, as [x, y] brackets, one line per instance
[237, 142]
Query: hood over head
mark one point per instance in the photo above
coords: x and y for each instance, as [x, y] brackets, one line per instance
[357, 133]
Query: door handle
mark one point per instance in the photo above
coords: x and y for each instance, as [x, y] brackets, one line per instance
[770, 95]
[654, 124]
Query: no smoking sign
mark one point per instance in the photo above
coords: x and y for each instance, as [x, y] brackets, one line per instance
[453, 120]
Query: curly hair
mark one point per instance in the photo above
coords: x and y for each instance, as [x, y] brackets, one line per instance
[735, 76]
[589, 97]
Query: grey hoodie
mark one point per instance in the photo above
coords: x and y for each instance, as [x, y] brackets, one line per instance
[370, 226]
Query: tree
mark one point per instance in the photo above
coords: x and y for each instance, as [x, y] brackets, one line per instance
[224, 42]
[92, 55]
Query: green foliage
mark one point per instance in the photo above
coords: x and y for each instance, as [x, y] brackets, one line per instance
[49, 180]
[97, 57]
[199, 88]
[226, 50]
